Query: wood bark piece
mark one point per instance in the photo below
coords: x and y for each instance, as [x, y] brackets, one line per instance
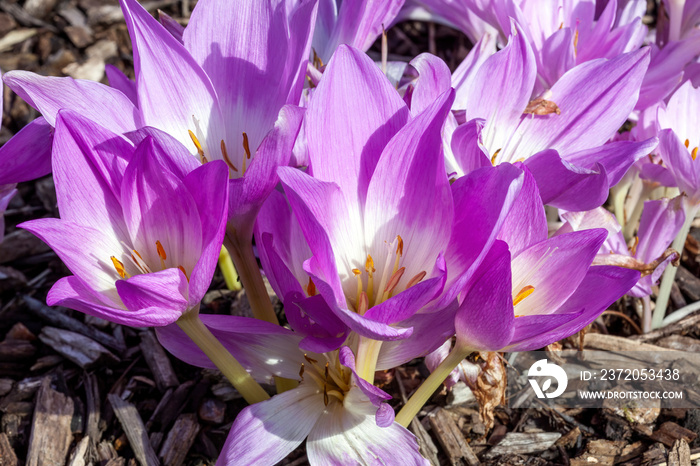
[134, 429]
[158, 361]
[77, 456]
[450, 437]
[613, 343]
[688, 283]
[80, 349]
[51, 427]
[680, 343]
[669, 432]
[7, 454]
[59, 319]
[679, 327]
[179, 440]
[679, 454]
[523, 443]
[14, 350]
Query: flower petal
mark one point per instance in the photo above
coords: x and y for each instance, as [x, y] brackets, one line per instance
[73, 293]
[434, 79]
[554, 269]
[175, 94]
[266, 432]
[120, 82]
[348, 434]
[165, 290]
[27, 155]
[484, 321]
[602, 286]
[264, 349]
[409, 194]
[49, 94]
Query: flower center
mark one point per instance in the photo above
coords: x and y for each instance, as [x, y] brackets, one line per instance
[224, 151]
[372, 292]
[332, 378]
[139, 264]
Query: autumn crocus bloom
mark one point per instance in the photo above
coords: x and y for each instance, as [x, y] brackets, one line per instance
[379, 212]
[562, 135]
[344, 419]
[530, 291]
[140, 228]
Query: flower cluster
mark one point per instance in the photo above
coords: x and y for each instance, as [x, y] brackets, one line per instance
[399, 210]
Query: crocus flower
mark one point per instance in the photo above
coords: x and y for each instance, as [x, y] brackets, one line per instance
[222, 92]
[387, 233]
[140, 228]
[561, 136]
[344, 419]
[561, 34]
[537, 290]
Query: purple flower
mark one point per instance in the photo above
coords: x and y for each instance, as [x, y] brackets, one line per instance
[344, 419]
[222, 92]
[561, 136]
[141, 228]
[383, 225]
[532, 290]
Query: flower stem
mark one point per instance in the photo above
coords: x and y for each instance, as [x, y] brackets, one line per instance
[228, 270]
[632, 222]
[670, 272]
[367, 355]
[241, 251]
[242, 381]
[432, 383]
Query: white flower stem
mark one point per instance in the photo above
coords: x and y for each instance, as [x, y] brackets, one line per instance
[432, 383]
[242, 381]
[367, 355]
[670, 272]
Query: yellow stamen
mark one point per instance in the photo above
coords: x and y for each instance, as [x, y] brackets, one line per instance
[197, 144]
[416, 279]
[246, 148]
[399, 252]
[369, 268]
[224, 152]
[493, 157]
[576, 42]
[694, 153]
[358, 274]
[687, 143]
[301, 371]
[309, 360]
[311, 288]
[182, 269]
[119, 267]
[161, 254]
[522, 294]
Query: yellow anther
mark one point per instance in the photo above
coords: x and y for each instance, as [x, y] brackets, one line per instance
[399, 246]
[694, 153]
[309, 360]
[246, 148]
[311, 288]
[301, 371]
[522, 294]
[687, 143]
[119, 267]
[161, 254]
[224, 153]
[576, 42]
[369, 265]
[356, 272]
[197, 144]
[493, 157]
[182, 269]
